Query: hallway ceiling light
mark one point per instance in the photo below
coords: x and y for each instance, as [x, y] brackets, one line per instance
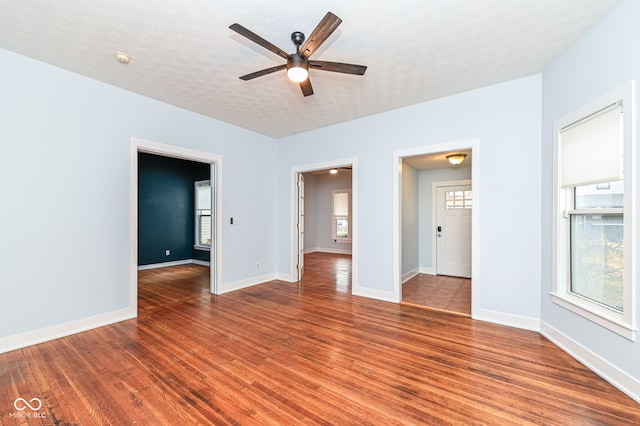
[456, 159]
[122, 57]
[333, 171]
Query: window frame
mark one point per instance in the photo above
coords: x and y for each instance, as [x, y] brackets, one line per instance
[196, 224]
[334, 218]
[622, 323]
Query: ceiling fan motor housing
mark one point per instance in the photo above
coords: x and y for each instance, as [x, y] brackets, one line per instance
[297, 38]
[296, 61]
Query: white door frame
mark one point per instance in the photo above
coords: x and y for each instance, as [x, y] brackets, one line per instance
[300, 225]
[398, 156]
[434, 213]
[141, 145]
[345, 162]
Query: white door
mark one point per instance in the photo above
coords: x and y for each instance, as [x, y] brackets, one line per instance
[453, 230]
[300, 228]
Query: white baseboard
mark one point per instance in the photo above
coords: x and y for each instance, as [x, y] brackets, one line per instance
[511, 320]
[285, 277]
[612, 374]
[34, 337]
[327, 250]
[406, 277]
[249, 282]
[386, 296]
[174, 263]
[428, 270]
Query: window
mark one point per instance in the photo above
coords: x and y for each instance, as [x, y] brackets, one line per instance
[203, 215]
[341, 226]
[593, 187]
[458, 200]
[596, 257]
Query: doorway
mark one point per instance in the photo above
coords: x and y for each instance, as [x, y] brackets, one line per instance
[174, 212]
[215, 166]
[312, 214]
[448, 286]
[417, 260]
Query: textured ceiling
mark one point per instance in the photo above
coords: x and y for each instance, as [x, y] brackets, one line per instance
[184, 53]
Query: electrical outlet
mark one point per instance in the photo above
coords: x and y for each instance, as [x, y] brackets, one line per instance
[167, 252]
[257, 265]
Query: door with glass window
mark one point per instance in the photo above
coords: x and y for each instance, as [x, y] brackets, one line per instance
[453, 230]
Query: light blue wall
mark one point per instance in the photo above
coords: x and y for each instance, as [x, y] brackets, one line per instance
[506, 120]
[64, 182]
[602, 60]
[310, 211]
[426, 178]
[410, 220]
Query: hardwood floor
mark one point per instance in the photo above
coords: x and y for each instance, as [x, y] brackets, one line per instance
[439, 292]
[161, 287]
[300, 353]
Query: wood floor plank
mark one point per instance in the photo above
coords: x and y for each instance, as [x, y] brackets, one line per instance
[301, 353]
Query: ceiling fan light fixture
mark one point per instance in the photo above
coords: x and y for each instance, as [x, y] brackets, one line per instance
[297, 69]
[456, 159]
[297, 65]
[297, 74]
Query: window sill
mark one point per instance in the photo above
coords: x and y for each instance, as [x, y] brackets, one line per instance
[203, 248]
[601, 316]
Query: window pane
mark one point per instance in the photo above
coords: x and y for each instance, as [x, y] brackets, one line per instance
[342, 228]
[600, 195]
[597, 258]
[205, 230]
[458, 199]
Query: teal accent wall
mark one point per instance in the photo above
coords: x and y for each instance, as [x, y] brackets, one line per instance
[166, 208]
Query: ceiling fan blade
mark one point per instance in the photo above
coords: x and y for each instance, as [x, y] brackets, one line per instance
[263, 72]
[338, 67]
[307, 90]
[321, 33]
[259, 40]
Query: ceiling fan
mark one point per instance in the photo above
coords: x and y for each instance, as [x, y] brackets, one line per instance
[298, 64]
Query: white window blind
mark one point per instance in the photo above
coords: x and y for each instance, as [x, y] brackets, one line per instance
[341, 204]
[592, 148]
[203, 197]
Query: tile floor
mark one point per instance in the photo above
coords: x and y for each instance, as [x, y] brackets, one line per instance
[439, 292]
